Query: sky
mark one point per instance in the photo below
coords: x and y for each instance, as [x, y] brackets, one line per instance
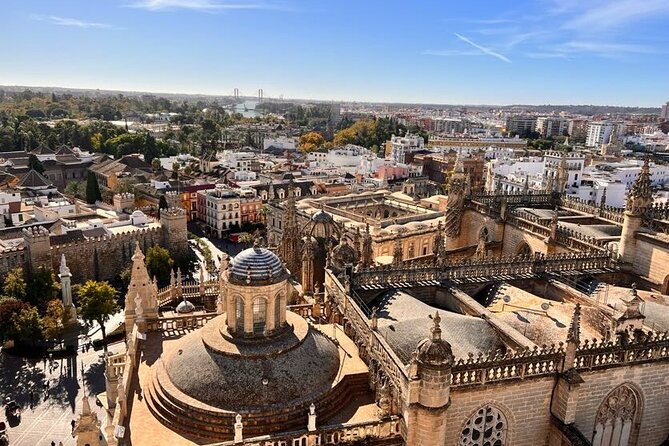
[609, 52]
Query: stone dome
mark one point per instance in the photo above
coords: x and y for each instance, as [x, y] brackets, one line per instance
[238, 375]
[256, 265]
[321, 217]
[185, 307]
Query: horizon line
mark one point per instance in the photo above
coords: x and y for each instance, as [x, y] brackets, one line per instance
[158, 93]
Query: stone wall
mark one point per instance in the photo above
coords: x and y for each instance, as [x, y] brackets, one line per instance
[651, 260]
[105, 257]
[525, 405]
[651, 381]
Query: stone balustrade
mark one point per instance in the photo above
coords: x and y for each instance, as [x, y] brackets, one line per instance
[645, 347]
[501, 367]
[476, 269]
[340, 434]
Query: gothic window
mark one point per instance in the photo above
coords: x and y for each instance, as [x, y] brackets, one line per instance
[239, 314]
[259, 314]
[487, 427]
[615, 418]
[412, 252]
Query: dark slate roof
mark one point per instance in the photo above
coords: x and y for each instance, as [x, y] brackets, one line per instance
[94, 232]
[14, 154]
[33, 179]
[42, 150]
[75, 235]
[258, 265]
[13, 232]
[64, 150]
[405, 321]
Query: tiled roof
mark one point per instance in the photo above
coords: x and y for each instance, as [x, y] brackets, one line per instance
[33, 179]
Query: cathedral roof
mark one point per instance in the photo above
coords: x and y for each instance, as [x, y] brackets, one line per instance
[404, 321]
[255, 265]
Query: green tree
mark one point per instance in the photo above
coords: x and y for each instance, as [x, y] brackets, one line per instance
[92, 189]
[9, 308]
[54, 320]
[28, 325]
[97, 302]
[155, 164]
[246, 239]
[311, 141]
[159, 263]
[35, 164]
[76, 188]
[15, 284]
[41, 287]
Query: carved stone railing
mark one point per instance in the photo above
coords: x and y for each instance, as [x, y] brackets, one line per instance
[503, 367]
[607, 212]
[303, 310]
[598, 354]
[515, 199]
[182, 322]
[385, 275]
[328, 435]
[171, 294]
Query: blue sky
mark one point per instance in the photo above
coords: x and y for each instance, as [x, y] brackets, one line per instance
[438, 51]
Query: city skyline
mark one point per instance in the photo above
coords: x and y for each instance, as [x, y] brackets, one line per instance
[545, 52]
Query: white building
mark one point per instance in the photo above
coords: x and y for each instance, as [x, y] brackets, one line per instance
[401, 145]
[664, 114]
[219, 209]
[280, 142]
[599, 132]
[551, 126]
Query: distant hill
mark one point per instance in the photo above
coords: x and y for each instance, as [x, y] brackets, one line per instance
[546, 108]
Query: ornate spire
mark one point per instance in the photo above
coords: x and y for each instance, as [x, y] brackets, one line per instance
[367, 255]
[457, 188]
[574, 333]
[459, 166]
[554, 223]
[438, 244]
[602, 200]
[397, 252]
[436, 328]
[641, 195]
[290, 238]
[64, 270]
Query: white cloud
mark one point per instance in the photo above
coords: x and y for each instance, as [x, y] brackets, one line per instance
[615, 13]
[196, 5]
[603, 48]
[546, 55]
[485, 50]
[67, 21]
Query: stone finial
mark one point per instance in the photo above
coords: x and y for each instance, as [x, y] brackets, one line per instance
[574, 333]
[64, 270]
[641, 195]
[602, 201]
[238, 429]
[138, 255]
[436, 328]
[311, 426]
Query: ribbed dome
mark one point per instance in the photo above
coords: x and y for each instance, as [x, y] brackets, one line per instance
[321, 216]
[185, 307]
[256, 265]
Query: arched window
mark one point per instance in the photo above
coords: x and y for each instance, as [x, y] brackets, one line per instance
[615, 418]
[484, 234]
[259, 314]
[239, 314]
[487, 427]
[277, 311]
